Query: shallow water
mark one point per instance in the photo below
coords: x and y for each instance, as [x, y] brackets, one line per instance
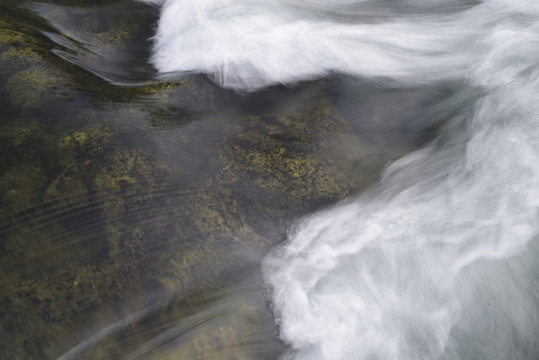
[144, 178]
[135, 210]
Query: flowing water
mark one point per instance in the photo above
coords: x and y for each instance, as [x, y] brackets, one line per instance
[296, 179]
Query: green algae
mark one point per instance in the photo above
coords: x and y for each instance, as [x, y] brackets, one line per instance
[15, 60]
[25, 147]
[290, 156]
[29, 89]
[22, 185]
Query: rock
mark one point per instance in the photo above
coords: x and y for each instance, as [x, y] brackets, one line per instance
[21, 186]
[288, 157]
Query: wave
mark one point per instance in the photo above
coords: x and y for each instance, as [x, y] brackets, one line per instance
[246, 45]
[440, 259]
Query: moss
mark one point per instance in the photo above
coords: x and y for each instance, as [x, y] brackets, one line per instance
[22, 186]
[143, 229]
[96, 164]
[18, 29]
[55, 306]
[190, 94]
[18, 51]
[29, 89]
[68, 190]
[14, 136]
[10, 37]
[289, 157]
[82, 3]
[25, 160]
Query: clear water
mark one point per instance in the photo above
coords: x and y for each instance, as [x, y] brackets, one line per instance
[160, 161]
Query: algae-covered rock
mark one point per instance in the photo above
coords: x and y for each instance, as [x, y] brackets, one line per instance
[116, 223]
[22, 186]
[11, 138]
[113, 228]
[13, 31]
[37, 310]
[27, 158]
[289, 157]
[19, 47]
[85, 266]
[29, 79]
[98, 164]
[25, 141]
[17, 59]
[179, 101]
[29, 89]
[68, 190]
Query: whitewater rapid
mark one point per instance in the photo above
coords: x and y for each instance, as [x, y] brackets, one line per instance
[440, 260]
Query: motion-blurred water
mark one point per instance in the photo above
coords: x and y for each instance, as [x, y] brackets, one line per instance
[152, 152]
[438, 261]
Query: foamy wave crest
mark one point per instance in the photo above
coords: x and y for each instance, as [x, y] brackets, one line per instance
[248, 44]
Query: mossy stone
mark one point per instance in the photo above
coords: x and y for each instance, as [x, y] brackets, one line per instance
[9, 37]
[22, 186]
[289, 156]
[29, 89]
[17, 59]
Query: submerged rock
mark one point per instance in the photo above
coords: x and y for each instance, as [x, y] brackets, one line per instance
[289, 158]
[113, 236]
[114, 223]
[107, 228]
[16, 58]
[29, 89]
[22, 186]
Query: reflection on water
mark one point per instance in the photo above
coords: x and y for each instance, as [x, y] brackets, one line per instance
[135, 211]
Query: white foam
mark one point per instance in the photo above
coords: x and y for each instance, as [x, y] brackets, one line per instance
[440, 260]
[246, 44]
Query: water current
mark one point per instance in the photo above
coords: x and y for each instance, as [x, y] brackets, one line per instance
[294, 179]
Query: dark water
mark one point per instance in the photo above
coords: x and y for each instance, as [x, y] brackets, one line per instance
[135, 208]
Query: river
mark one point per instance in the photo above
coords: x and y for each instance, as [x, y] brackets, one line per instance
[290, 179]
